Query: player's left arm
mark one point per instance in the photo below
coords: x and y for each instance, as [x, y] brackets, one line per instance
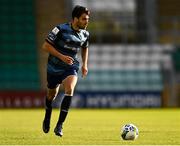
[84, 55]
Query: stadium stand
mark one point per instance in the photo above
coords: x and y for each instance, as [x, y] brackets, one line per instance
[125, 58]
[126, 68]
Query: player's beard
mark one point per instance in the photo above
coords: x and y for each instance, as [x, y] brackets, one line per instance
[82, 26]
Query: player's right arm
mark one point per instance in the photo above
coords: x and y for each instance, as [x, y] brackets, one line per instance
[50, 43]
[47, 47]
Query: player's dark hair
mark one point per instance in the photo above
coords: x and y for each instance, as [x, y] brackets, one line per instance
[79, 10]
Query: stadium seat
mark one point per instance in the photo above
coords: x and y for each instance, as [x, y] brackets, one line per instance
[125, 68]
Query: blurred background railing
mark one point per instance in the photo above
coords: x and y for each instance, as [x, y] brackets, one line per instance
[134, 52]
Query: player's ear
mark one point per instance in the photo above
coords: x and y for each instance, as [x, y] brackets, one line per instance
[75, 19]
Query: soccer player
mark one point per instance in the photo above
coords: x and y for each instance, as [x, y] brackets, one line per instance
[63, 43]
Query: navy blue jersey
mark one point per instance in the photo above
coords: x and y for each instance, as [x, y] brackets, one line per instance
[68, 42]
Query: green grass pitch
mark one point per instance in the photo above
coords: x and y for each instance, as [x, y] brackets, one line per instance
[91, 127]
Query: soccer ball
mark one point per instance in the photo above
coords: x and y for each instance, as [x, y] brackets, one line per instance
[129, 132]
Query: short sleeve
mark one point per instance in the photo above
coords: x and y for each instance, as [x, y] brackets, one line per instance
[53, 35]
[86, 43]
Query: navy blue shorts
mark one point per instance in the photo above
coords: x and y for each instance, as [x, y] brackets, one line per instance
[55, 79]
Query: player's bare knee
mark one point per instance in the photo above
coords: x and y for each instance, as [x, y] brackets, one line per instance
[51, 94]
[69, 92]
[50, 97]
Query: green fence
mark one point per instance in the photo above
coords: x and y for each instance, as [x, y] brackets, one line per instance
[18, 51]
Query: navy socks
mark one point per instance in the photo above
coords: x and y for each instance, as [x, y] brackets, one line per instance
[65, 105]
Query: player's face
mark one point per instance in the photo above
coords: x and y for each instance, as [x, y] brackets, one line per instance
[83, 21]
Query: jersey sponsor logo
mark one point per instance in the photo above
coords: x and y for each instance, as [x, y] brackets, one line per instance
[55, 30]
[71, 48]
